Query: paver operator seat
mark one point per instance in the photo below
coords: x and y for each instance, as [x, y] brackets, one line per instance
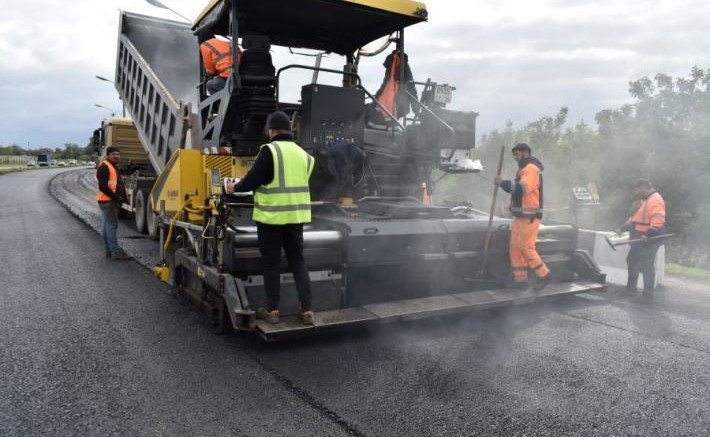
[257, 98]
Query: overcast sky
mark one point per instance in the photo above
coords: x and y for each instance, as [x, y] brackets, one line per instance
[510, 60]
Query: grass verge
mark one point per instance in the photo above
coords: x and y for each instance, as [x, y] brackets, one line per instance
[692, 272]
[8, 169]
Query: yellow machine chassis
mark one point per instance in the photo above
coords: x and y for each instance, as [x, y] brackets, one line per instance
[185, 179]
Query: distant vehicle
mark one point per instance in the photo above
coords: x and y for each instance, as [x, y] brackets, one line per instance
[45, 160]
[31, 163]
[72, 162]
[62, 164]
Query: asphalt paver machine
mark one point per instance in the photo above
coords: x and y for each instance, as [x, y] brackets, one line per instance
[377, 249]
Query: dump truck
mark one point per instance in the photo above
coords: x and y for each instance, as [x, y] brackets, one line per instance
[377, 249]
[45, 160]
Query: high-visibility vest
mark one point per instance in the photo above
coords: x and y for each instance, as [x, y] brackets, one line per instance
[217, 57]
[388, 98]
[651, 212]
[112, 181]
[287, 198]
[529, 203]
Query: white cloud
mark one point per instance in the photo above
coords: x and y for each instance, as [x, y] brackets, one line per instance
[517, 60]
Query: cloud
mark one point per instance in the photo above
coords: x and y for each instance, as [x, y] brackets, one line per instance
[515, 60]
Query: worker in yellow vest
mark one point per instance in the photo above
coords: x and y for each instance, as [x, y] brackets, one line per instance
[111, 194]
[282, 204]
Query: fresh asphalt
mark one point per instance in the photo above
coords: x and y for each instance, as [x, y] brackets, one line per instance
[90, 346]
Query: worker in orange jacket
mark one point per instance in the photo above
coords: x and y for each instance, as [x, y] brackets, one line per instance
[647, 221]
[526, 203]
[217, 58]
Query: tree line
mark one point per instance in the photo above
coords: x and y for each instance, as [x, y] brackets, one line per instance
[69, 151]
[663, 135]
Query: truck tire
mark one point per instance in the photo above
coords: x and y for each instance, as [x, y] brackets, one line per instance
[151, 220]
[140, 211]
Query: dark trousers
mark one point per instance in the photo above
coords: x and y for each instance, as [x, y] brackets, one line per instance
[271, 239]
[641, 259]
[215, 84]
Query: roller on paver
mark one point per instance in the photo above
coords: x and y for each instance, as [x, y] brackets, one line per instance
[378, 248]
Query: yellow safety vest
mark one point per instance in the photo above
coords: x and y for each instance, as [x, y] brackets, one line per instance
[287, 198]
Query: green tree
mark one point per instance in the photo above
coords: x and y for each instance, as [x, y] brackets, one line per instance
[663, 135]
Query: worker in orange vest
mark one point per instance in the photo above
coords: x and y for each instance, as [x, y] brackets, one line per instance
[111, 193]
[217, 58]
[526, 203]
[647, 222]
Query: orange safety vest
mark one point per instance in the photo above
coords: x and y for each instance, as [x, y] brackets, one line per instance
[530, 204]
[651, 212]
[217, 57]
[389, 93]
[112, 182]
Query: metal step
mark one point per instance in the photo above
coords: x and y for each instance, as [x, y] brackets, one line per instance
[412, 309]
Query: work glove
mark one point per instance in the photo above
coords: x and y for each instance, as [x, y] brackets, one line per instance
[229, 183]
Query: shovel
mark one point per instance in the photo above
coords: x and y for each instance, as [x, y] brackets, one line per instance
[621, 242]
[487, 243]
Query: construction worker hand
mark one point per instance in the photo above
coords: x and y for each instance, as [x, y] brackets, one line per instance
[498, 180]
[229, 184]
[644, 238]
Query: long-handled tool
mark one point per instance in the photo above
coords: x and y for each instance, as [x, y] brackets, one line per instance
[615, 242]
[487, 243]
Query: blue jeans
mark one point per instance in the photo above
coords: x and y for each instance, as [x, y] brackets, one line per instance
[215, 84]
[109, 213]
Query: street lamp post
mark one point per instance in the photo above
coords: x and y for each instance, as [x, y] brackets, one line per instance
[123, 106]
[160, 5]
[113, 114]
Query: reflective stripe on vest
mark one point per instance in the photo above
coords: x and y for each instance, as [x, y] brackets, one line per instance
[222, 61]
[112, 182]
[286, 199]
[517, 201]
[640, 218]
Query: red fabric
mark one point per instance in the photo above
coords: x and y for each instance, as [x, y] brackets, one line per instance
[389, 92]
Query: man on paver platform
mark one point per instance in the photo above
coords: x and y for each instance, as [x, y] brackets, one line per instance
[217, 58]
[111, 194]
[282, 204]
[526, 202]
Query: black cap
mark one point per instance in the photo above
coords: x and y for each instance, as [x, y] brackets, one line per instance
[278, 121]
[645, 183]
[522, 147]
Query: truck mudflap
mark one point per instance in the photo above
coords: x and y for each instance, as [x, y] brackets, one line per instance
[420, 308]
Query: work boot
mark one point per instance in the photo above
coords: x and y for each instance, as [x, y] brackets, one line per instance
[306, 317]
[520, 285]
[268, 316]
[631, 288]
[645, 298]
[542, 282]
[120, 256]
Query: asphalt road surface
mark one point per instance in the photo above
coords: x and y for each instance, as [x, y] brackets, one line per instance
[91, 346]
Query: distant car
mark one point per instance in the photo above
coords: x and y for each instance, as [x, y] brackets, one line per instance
[31, 163]
[72, 162]
[62, 164]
